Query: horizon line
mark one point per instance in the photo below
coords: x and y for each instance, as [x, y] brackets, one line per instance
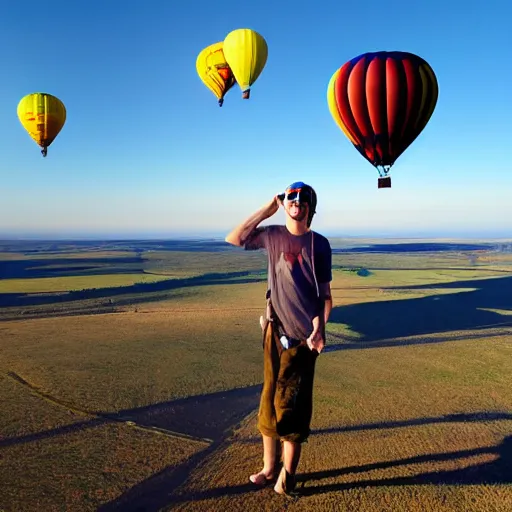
[108, 237]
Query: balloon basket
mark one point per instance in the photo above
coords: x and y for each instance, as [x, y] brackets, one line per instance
[246, 94]
[384, 182]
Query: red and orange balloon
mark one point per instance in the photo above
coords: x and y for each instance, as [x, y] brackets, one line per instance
[382, 101]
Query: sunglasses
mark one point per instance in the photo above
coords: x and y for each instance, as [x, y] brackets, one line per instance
[297, 194]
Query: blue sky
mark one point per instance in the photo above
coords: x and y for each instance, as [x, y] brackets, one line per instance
[146, 151]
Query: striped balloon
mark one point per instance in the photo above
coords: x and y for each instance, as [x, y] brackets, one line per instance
[382, 101]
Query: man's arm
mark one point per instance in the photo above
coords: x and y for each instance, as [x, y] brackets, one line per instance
[325, 293]
[240, 234]
[317, 338]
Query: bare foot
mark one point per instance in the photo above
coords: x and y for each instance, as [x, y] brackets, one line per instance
[262, 478]
[285, 483]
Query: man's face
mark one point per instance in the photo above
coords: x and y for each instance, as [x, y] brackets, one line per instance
[296, 205]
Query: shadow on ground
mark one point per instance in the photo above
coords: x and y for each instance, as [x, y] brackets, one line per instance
[215, 416]
[161, 490]
[204, 416]
[378, 323]
[435, 247]
[66, 267]
[209, 416]
[58, 247]
[137, 289]
[499, 471]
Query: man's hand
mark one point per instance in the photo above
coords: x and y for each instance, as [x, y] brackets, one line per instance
[239, 235]
[273, 206]
[316, 341]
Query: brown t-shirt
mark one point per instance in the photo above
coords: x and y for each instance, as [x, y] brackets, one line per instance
[291, 280]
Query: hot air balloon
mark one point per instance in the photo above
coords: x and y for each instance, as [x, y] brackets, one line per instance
[382, 101]
[43, 116]
[214, 71]
[246, 52]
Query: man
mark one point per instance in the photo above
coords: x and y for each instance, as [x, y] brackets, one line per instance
[299, 276]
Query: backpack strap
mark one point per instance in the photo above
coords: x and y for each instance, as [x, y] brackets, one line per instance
[313, 263]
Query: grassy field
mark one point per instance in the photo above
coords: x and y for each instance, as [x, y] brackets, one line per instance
[130, 376]
[73, 283]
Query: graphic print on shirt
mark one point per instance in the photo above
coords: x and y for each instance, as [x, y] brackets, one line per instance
[294, 268]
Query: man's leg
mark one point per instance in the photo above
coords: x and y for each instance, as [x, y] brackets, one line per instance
[269, 455]
[269, 462]
[266, 414]
[291, 456]
[294, 407]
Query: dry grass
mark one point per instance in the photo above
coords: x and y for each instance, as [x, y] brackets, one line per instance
[83, 468]
[112, 362]
[64, 284]
[65, 254]
[187, 264]
[410, 428]
[420, 421]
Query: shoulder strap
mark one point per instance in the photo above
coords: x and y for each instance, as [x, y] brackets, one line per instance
[313, 263]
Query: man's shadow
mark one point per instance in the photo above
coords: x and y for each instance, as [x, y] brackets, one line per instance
[498, 471]
[458, 311]
[160, 490]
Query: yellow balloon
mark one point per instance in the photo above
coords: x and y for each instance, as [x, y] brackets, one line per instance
[246, 52]
[214, 71]
[333, 109]
[43, 116]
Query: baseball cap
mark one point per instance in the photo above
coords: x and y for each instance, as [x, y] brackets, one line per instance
[303, 193]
